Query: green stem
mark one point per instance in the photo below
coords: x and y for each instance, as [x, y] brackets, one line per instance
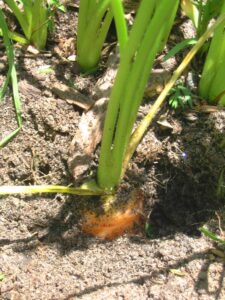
[90, 34]
[121, 25]
[105, 162]
[211, 83]
[145, 39]
[150, 45]
[92, 30]
[82, 20]
[10, 190]
[103, 30]
[39, 24]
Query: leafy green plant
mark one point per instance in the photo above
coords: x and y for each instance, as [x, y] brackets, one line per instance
[145, 39]
[53, 6]
[208, 10]
[212, 83]
[11, 75]
[201, 12]
[211, 86]
[94, 20]
[139, 132]
[33, 19]
[56, 4]
[180, 96]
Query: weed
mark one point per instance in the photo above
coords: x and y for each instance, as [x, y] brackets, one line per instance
[180, 96]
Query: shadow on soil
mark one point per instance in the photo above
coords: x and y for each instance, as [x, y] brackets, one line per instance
[189, 174]
[199, 284]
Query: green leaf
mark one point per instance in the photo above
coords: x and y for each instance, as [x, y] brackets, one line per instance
[16, 37]
[180, 46]
[33, 19]
[57, 4]
[180, 96]
[23, 17]
[10, 74]
[211, 235]
[39, 24]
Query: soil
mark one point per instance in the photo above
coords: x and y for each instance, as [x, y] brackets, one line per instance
[43, 252]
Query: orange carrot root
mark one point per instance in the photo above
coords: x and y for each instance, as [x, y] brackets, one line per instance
[114, 224]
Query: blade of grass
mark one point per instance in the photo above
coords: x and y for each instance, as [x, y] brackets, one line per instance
[180, 46]
[16, 37]
[11, 74]
[191, 11]
[211, 235]
[9, 53]
[83, 191]
[16, 96]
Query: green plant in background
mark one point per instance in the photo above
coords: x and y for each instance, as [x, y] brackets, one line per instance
[53, 6]
[33, 19]
[94, 20]
[139, 132]
[190, 9]
[145, 40]
[212, 83]
[180, 96]
[201, 12]
[11, 74]
[207, 10]
[56, 4]
[212, 236]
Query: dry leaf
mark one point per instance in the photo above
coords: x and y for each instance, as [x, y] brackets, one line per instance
[72, 96]
[177, 272]
[164, 124]
[86, 138]
[218, 253]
